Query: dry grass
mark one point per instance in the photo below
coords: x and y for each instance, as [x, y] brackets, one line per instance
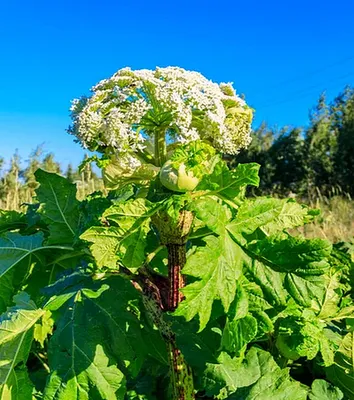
[336, 222]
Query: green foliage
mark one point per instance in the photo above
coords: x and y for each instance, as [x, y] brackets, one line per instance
[59, 207]
[305, 161]
[265, 314]
[341, 373]
[16, 336]
[321, 389]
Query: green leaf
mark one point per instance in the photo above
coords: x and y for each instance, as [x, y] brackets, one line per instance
[11, 220]
[253, 214]
[126, 242]
[82, 365]
[212, 214]
[133, 395]
[131, 213]
[198, 348]
[342, 372]
[112, 244]
[21, 386]
[255, 297]
[302, 337]
[231, 373]
[330, 302]
[265, 325]
[217, 266]
[16, 336]
[92, 208]
[301, 260]
[17, 257]
[98, 338]
[59, 207]
[322, 390]
[133, 217]
[91, 374]
[23, 261]
[230, 185]
[306, 290]
[105, 244]
[274, 383]
[43, 328]
[240, 305]
[293, 254]
[238, 333]
[269, 281]
[291, 215]
[133, 249]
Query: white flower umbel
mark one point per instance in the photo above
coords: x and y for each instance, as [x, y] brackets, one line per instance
[168, 105]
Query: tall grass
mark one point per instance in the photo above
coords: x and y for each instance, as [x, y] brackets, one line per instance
[336, 221]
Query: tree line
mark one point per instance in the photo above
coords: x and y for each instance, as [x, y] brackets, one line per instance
[311, 160]
[18, 183]
[294, 160]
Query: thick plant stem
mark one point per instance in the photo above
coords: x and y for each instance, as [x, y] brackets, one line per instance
[181, 374]
[176, 261]
[173, 234]
[160, 148]
[182, 387]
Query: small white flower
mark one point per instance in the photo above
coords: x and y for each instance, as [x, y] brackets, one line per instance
[122, 113]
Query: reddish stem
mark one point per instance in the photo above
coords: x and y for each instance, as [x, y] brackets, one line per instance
[176, 261]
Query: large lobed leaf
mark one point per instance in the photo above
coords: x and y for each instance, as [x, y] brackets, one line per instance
[59, 207]
[257, 377]
[280, 264]
[217, 266]
[125, 241]
[98, 339]
[300, 262]
[23, 262]
[342, 372]
[16, 336]
[17, 256]
[273, 383]
[229, 185]
[322, 390]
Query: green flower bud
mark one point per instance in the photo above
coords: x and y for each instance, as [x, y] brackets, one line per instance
[178, 180]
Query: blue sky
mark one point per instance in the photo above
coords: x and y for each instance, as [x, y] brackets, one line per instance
[280, 54]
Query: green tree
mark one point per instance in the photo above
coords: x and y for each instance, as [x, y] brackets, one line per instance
[71, 174]
[320, 148]
[50, 165]
[287, 155]
[12, 183]
[343, 116]
[262, 141]
[34, 163]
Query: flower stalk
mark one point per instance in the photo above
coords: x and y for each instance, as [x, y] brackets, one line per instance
[160, 147]
[173, 234]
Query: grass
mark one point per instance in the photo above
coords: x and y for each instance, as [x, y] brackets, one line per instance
[336, 221]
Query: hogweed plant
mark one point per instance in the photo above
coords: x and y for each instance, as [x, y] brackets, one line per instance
[174, 285]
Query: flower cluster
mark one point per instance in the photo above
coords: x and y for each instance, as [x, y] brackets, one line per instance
[125, 111]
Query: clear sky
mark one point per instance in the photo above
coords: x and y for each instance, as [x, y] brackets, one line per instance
[280, 54]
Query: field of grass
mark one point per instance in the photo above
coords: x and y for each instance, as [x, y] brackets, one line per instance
[336, 221]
